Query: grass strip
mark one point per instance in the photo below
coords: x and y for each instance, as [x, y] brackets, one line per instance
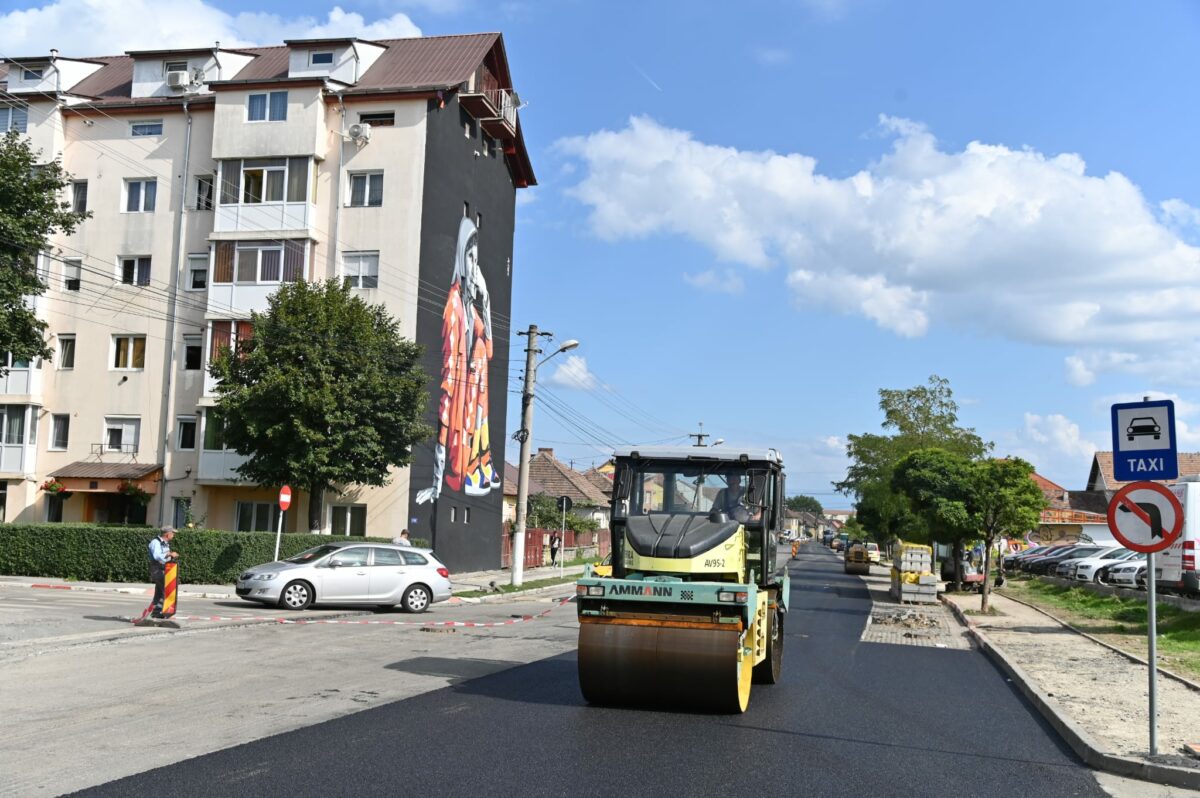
[508, 588]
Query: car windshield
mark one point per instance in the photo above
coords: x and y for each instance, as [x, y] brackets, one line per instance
[313, 554]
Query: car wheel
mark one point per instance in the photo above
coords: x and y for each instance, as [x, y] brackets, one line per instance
[296, 596]
[416, 599]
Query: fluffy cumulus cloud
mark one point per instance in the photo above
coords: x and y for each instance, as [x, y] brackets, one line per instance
[989, 238]
[109, 27]
[718, 281]
[574, 373]
[1054, 444]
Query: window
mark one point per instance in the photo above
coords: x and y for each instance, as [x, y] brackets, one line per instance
[259, 262]
[79, 196]
[412, 558]
[466, 515]
[259, 180]
[366, 190]
[379, 118]
[135, 271]
[72, 269]
[386, 556]
[229, 335]
[350, 519]
[175, 66]
[214, 431]
[361, 269]
[13, 118]
[319, 59]
[261, 517]
[129, 351]
[140, 195]
[60, 431]
[204, 192]
[193, 352]
[121, 434]
[66, 351]
[12, 424]
[139, 129]
[453, 514]
[8, 361]
[32, 74]
[466, 210]
[197, 279]
[270, 107]
[478, 221]
[185, 438]
[181, 511]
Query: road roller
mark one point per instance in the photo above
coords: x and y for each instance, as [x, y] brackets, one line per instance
[693, 612]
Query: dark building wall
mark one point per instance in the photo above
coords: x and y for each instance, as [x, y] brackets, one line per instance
[454, 176]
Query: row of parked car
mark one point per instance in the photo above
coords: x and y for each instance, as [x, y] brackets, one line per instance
[1112, 565]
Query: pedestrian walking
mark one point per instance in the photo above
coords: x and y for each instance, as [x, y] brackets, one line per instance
[555, 542]
[160, 554]
[402, 539]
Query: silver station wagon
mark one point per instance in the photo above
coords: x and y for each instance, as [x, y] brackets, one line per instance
[350, 573]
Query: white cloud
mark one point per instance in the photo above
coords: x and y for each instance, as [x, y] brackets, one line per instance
[772, 56]
[834, 442]
[990, 239]
[1054, 444]
[110, 27]
[573, 373]
[724, 281]
[1060, 434]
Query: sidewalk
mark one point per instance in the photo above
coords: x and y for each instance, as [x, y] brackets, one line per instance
[460, 583]
[1099, 695]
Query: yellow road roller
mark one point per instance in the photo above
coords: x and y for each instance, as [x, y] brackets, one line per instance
[693, 612]
[858, 559]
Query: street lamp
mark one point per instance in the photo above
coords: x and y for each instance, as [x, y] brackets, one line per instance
[525, 436]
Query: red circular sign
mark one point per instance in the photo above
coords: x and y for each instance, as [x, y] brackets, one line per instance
[1149, 521]
[285, 497]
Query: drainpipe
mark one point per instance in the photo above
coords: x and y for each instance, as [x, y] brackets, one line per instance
[57, 74]
[337, 181]
[177, 256]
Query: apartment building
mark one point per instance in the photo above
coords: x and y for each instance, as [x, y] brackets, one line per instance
[213, 176]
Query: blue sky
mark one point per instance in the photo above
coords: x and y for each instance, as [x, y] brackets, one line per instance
[755, 215]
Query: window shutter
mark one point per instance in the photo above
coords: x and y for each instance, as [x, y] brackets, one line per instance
[223, 273]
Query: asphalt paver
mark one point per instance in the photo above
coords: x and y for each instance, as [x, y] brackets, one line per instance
[849, 718]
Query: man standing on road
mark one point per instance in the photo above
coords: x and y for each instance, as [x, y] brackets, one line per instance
[160, 555]
[402, 539]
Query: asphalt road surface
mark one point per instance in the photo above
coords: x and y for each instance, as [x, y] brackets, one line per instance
[849, 718]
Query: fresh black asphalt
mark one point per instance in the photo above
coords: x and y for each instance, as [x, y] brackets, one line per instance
[849, 718]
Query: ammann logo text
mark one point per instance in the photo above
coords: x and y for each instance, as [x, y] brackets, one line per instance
[635, 590]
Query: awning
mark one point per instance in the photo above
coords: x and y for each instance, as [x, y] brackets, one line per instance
[89, 476]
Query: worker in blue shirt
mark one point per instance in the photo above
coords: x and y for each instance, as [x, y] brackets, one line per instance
[160, 554]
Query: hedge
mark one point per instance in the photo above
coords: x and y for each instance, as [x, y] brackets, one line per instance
[94, 553]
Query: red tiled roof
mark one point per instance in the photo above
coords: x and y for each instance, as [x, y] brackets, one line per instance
[510, 481]
[558, 479]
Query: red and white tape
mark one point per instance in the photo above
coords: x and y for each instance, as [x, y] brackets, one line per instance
[283, 619]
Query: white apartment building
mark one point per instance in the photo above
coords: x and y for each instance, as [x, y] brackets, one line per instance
[213, 176]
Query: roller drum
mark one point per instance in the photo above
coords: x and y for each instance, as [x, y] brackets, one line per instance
[648, 665]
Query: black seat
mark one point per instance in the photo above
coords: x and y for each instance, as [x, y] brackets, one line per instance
[677, 536]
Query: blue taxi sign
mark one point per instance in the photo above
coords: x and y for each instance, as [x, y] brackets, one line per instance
[1144, 446]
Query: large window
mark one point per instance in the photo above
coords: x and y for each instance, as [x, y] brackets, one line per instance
[257, 516]
[135, 271]
[60, 430]
[140, 195]
[14, 118]
[268, 107]
[366, 190]
[214, 431]
[12, 424]
[349, 519]
[129, 352]
[229, 335]
[259, 180]
[361, 269]
[66, 351]
[122, 433]
[259, 262]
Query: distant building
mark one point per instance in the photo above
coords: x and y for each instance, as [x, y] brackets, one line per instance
[839, 515]
[1071, 515]
[559, 479]
[1101, 476]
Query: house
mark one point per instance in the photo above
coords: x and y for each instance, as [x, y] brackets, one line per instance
[559, 479]
[510, 493]
[1071, 516]
[213, 176]
[1101, 475]
[839, 515]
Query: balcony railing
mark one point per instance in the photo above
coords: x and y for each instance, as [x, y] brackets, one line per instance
[101, 449]
[262, 216]
[219, 465]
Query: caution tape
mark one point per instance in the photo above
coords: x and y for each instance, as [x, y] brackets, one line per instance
[283, 619]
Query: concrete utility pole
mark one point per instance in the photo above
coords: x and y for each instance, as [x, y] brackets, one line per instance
[525, 436]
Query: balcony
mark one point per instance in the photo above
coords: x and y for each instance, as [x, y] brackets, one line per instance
[17, 458]
[264, 217]
[495, 107]
[220, 465]
[23, 382]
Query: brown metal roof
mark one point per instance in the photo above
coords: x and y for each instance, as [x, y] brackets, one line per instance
[90, 469]
[427, 63]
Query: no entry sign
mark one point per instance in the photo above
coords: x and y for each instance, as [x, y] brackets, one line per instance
[1145, 517]
[285, 497]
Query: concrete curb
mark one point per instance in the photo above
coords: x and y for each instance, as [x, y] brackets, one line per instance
[1186, 682]
[1072, 734]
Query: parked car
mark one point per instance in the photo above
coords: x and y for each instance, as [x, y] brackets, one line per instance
[1128, 574]
[1026, 562]
[1046, 565]
[1011, 562]
[1089, 570]
[350, 573]
[1066, 568]
[873, 552]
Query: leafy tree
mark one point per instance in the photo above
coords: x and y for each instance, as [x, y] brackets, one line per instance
[544, 514]
[938, 485]
[324, 394]
[1007, 502]
[31, 211]
[805, 504]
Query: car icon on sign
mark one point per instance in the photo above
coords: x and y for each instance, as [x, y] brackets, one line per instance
[1143, 426]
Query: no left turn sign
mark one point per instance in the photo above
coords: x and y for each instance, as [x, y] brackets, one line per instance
[1145, 517]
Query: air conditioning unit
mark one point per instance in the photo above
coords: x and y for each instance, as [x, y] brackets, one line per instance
[178, 80]
[360, 132]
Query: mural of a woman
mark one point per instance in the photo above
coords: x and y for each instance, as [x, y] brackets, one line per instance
[463, 458]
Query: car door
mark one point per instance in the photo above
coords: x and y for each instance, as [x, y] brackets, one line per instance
[345, 576]
[388, 578]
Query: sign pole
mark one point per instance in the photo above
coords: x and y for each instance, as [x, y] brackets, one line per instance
[278, 535]
[1152, 635]
[562, 543]
[285, 501]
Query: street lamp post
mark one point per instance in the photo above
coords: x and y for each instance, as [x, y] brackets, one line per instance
[525, 436]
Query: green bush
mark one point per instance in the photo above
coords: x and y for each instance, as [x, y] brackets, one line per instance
[93, 553]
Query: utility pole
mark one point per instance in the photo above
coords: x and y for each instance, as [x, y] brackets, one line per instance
[525, 436]
[699, 436]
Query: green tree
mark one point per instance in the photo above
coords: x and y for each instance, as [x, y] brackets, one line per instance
[938, 486]
[324, 394]
[544, 514]
[805, 504]
[31, 210]
[1007, 502]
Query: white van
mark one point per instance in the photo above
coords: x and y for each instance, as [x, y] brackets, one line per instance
[1175, 567]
